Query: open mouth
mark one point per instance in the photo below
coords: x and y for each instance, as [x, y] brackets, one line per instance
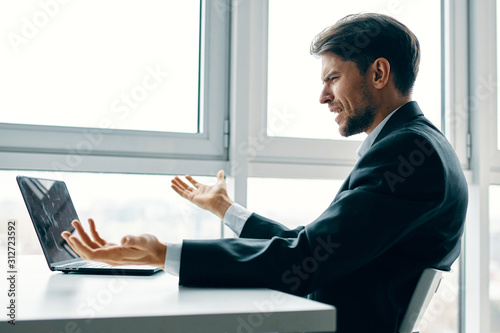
[336, 109]
[339, 111]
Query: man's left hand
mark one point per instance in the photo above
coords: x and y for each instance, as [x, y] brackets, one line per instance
[133, 250]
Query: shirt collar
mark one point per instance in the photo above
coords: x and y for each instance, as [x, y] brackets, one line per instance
[370, 139]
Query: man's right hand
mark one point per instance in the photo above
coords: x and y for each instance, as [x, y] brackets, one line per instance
[212, 198]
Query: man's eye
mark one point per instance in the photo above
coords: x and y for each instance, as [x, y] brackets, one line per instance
[330, 79]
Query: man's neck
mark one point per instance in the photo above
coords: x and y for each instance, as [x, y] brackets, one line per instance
[386, 109]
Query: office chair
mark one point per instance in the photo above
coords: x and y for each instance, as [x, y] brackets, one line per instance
[427, 286]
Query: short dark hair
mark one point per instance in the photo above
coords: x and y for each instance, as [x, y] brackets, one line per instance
[363, 38]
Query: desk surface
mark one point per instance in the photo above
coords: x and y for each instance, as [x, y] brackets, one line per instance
[56, 302]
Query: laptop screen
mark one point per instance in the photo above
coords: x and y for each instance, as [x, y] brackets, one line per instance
[51, 210]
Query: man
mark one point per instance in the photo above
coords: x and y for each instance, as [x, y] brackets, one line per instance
[401, 209]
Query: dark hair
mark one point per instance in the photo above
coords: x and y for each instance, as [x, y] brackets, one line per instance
[363, 38]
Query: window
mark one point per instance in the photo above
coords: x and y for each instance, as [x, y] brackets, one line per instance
[89, 83]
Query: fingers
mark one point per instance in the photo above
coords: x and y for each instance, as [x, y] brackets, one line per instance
[95, 235]
[83, 235]
[76, 244]
[144, 249]
[83, 250]
[192, 181]
[179, 183]
[112, 255]
[85, 239]
[181, 188]
[220, 177]
[178, 190]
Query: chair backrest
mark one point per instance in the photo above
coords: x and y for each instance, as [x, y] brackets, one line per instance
[427, 286]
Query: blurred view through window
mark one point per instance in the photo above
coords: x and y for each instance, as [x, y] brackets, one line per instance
[120, 64]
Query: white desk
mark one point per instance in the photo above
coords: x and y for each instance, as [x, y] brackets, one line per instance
[73, 303]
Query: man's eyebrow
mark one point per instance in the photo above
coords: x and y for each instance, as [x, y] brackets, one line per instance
[332, 73]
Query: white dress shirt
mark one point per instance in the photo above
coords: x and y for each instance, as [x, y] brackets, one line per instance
[237, 215]
[370, 139]
[235, 219]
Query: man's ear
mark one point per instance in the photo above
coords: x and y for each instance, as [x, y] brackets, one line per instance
[381, 70]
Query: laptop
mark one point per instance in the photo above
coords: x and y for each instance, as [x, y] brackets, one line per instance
[51, 210]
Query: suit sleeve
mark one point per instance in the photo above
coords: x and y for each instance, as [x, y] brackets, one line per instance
[260, 227]
[394, 189]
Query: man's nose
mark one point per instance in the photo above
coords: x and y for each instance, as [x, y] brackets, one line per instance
[326, 95]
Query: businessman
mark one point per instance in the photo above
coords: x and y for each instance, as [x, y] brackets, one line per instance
[401, 209]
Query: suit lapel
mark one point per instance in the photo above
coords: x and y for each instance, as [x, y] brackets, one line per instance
[406, 113]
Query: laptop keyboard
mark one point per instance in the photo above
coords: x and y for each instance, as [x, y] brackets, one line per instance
[90, 264]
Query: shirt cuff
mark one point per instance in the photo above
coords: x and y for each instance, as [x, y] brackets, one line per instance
[235, 218]
[173, 258]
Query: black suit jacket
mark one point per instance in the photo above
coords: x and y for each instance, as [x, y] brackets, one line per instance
[401, 209]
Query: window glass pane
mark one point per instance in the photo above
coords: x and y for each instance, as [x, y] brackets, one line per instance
[119, 203]
[123, 64]
[294, 82]
[292, 202]
[495, 258]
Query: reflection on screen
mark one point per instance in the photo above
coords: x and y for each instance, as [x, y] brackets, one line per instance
[51, 211]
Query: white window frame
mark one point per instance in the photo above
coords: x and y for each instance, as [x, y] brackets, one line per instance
[455, 61]
[492, 78]
[37, 147]
[484, 163]
[472, 126]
